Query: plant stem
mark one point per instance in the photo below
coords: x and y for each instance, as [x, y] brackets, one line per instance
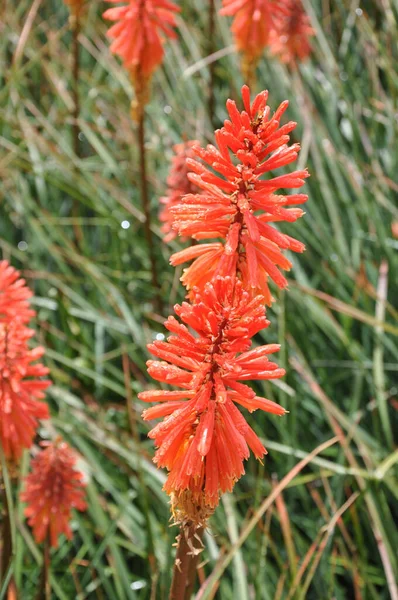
[6, 537]
[75, 26]
[44, 591]
[211, 32]
[146, 208]
[46, 570]
[185, 564]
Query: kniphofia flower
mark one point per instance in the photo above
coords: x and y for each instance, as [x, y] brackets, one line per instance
[252, 26]
[14, 295]
[253, 23]
[178, 185]
[290, 39]
[204, 439]
[52, 490]
[241, 199]
[21, 388]
[138, 32]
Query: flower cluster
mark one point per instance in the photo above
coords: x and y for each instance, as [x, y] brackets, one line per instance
[290, 38]
[178, 185]
[253, 23]
[21, 386]
[52, 490]
[281, 24]
[14, 295]
[237, 203]
[204, 438]
[137, 31]
[137, 38]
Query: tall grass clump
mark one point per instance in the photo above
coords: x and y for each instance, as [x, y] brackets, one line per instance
[315, 518]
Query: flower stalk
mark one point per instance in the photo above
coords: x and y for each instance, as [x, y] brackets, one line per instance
[76, 10]
[6, 536]
[210, 51]
[44, 592]
[189, 547]
[146, 209]
[75, 28]
[137, 37]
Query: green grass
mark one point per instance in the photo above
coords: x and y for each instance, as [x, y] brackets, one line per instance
[338, 330]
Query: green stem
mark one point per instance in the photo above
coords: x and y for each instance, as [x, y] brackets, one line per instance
[146, 208]
[75, 27]
[6, 536]
[44, 591]
[211, 46]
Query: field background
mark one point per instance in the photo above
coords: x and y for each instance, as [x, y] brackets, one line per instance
[330, 533]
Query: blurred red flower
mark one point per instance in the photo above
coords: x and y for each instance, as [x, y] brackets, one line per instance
[234, 193]
[204, 438]
[52, 490]
[20, 389]
[178, 185]
[253, 23]
[137, 32]
[290, 37]
[20, 386]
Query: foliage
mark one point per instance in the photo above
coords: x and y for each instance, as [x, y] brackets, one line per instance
[92, 282]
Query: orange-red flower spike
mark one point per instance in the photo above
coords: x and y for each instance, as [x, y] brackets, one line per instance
[178, 185]
[253, 23]
[204, 439]
[290, 39]
[14, 295]
[21, 386]
[138, 32]
[52, 490]
[241, 198]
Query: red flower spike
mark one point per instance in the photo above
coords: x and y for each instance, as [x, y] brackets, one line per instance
[52, 490]
[178, 186]
[20, 386]
[138, 30]
[237, 203]
[14, 295]
[253, 23]
[290, 37]
[204, 439]
[20, 389]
